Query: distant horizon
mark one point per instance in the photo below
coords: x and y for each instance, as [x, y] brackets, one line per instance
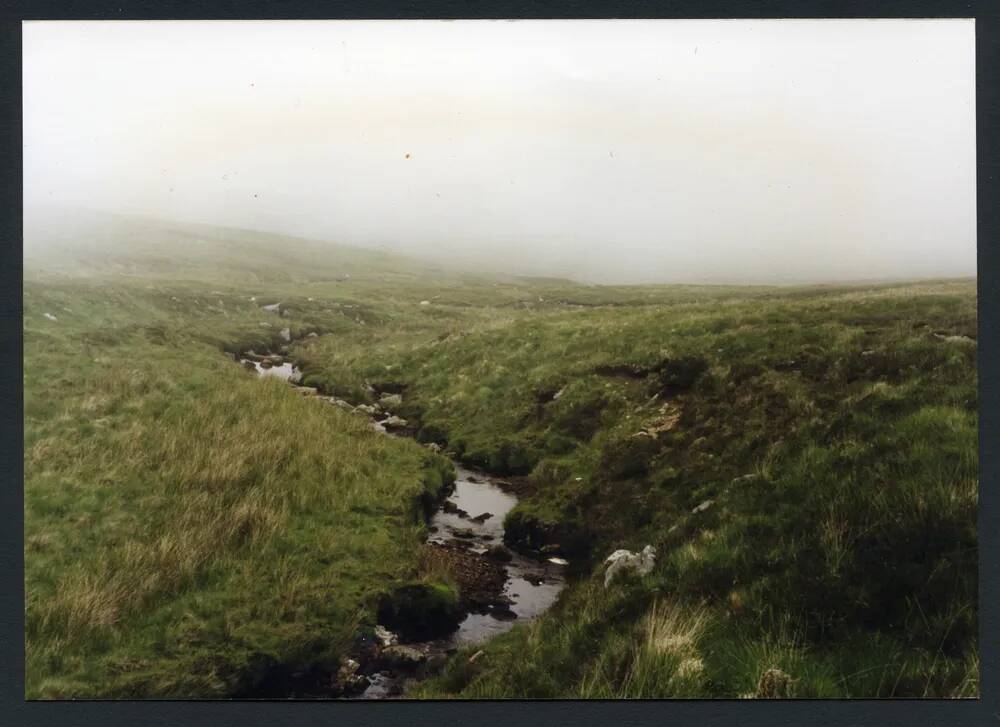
[40, 207]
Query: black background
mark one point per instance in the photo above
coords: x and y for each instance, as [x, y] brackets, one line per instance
[14, 710]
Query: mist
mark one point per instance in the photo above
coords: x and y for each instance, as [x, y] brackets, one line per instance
[605, 151]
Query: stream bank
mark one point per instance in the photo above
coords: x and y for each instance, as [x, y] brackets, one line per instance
[498, 587]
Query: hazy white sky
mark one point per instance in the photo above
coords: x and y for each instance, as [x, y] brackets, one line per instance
[756, 151]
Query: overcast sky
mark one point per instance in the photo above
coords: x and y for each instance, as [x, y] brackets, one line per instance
[613, 151]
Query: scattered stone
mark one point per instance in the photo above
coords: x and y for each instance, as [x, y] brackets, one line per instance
[51, 317]
[265, 324]
[273, 307]
[394, 422]
[702, 507]
[348, 678]
[552, 549]
[385, 636]
[425, 302]
[472, 659]
[481, 518]
[558, 561]
[266, 364]
[450, 507]
[390, 400]
[642, 563]
[306, 390]
[403, 657]
[366, 409]
[434, 447]
[745, 479]
[465, 533]
[312, 334]
[340, 403]
[286, 334]
[249, 365]
[555, 396]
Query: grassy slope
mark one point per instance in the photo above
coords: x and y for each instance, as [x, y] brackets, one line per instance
[187, 524]
[848, 560]
[833, 431]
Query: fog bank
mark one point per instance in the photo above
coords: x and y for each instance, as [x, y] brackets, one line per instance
[610, 151]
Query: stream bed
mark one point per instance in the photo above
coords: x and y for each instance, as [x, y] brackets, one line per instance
[469, 523]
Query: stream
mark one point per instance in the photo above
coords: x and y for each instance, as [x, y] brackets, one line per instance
[469, 520]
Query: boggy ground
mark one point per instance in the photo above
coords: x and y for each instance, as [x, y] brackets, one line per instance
[804, 461]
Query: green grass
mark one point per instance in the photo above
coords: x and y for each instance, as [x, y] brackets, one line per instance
[184, 519]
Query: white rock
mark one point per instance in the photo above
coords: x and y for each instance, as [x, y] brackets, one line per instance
[51, 317]
[286, 334]
[425, 302]
[385, 636]
[394, 422]
[558, 561]
[387, 400]
[621, 560]
[702, 507]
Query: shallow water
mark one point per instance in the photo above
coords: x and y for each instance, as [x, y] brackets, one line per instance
[532, 586]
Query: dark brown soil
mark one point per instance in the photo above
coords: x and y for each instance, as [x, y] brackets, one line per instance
[480, 580]
[520, 485]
